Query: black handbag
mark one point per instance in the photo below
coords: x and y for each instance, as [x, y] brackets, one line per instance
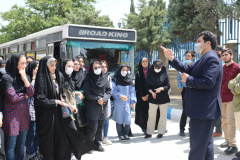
[81, 118]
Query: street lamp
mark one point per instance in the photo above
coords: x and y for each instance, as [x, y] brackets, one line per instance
[119, 24]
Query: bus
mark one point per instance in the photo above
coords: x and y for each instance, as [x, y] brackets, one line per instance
[115, 46]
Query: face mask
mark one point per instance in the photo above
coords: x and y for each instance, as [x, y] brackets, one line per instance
[188, 61]
[69, 70]
[198, 48]
[97, 71]
[223, 62]
[129, 72]
[157, 70]
[2, 70]
[123, 73]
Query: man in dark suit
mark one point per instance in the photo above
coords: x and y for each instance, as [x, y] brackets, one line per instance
[203, 103]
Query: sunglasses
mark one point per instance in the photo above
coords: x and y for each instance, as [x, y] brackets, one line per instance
[95, 68]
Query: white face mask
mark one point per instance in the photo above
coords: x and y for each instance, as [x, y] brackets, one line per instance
[2, 70]
[129, 72]
[198, 48]
[124, 73]
[157, 70]
[69, 70]
[98, 71]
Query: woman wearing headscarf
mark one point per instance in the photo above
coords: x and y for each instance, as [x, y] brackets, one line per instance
[79, 143]
[2, 97]
[124, 99]
[97, 91]
[32, 138]
[55, 133]
[158, 86]
[78, 77]
[108, 108]
[2, 68]
[142, 105]
[17, 88]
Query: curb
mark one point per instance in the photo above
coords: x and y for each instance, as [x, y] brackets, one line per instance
[174, 114]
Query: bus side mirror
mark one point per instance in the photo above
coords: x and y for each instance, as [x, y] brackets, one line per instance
[63, 50]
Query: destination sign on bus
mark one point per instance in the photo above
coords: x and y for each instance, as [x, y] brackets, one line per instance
[93, 33]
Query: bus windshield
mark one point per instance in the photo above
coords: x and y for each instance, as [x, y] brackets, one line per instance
[113, 53]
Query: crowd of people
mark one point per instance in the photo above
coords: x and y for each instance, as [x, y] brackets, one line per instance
[57, 112]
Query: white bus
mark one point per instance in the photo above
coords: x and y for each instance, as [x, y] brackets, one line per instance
[116, 46]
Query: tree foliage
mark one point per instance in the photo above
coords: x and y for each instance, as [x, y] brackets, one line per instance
[150, 24]
[189, 17]
[87, 16]
[43, 14]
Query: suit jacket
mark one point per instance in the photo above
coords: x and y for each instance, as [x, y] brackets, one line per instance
[202, 98]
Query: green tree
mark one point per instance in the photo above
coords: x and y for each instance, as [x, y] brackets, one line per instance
[39, 15]
[86, 16]
[150, 25]
[189, 17]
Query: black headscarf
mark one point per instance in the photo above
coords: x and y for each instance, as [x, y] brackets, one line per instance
[44, 86]
[96, 80]
[12, 70]
[140, 69]
[120, 80]
[68, 82]
[78, 78]
[30, 67]
[1, 62]
[156, 79]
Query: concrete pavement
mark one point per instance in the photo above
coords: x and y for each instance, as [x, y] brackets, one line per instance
[170, 147]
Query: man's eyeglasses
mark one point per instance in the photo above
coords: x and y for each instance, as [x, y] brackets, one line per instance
[104, 66]
[95, 68]
[76, 64]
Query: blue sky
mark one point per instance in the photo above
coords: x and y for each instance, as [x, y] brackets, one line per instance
[114, 8]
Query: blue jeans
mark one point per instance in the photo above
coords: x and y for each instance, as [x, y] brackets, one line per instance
[122, 131]
[32, 140]
[105, 127]
[15, 146]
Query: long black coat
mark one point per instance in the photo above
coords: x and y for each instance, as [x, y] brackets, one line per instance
[141, 108]
[93, 94]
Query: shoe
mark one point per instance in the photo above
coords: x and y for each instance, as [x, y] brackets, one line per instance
[90, 152]
[130, 135]
[159, 136]
[100, 149]
[217, 134]
[237, 154]
[121, 138]
[182, 133]
[231, 150]
[106, 141]
[224, 145]
[126, 138]
[236, 159]
[147, 136]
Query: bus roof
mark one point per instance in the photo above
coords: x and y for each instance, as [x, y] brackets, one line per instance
[65, 34]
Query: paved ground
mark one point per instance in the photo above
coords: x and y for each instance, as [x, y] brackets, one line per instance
[170, 147]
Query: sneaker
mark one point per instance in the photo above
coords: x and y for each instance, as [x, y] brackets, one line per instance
[224, 145]
[237, 154]
[159, 136]
[106, 141]
[147, 136]
[231, 150]
[121, 138]
[126, 138]
[217, 134]
[182, 133]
